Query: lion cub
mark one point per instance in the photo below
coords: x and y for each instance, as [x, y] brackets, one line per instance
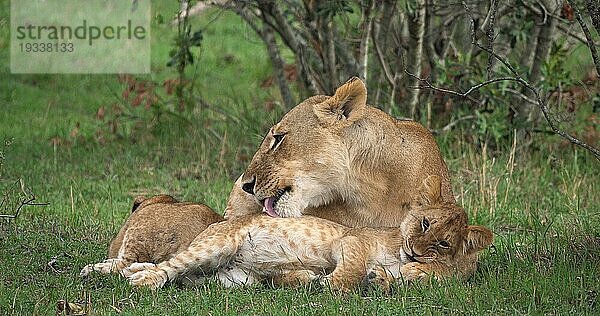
[434, 240]
[157, 229]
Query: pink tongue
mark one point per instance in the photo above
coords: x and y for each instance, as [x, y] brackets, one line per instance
[269, 207]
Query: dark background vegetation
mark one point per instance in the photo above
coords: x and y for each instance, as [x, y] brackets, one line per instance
[496, 81]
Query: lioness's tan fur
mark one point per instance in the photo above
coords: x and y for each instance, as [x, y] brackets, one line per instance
[157, 229]
[341, 160]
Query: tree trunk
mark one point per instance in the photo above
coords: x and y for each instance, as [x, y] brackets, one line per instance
[278, 66]
[417, 31]
[288, 34]
[528, 111]
[363, 56]
[529, 49]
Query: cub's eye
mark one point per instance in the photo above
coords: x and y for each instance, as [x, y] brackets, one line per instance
[425, 224]
[444, 244]
[277, 139]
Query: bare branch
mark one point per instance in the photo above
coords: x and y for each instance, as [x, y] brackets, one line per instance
[541, 102]
[588, 36]
[287, 32]
[465, 94]
[521, 95]
[26, 198]
[450, 125]
[560, 26]
[572, 34]
[386, 68]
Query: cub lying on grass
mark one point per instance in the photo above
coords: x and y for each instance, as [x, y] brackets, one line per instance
[157, 229]
[434, 240]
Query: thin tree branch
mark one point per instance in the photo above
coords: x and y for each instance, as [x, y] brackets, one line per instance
[570, 33]
[542, 103]
[465, 94]
[386, 68]
[521, 95]
[588, 36]
[287, 32]
[450, 125]
[29, 200]
[560, 26]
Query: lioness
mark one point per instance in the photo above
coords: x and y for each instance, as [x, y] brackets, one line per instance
[434, 240]
[157, 229]
[339, 159]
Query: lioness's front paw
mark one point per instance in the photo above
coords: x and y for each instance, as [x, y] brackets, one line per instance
[151, 278]
[136, 267]
[414, 271]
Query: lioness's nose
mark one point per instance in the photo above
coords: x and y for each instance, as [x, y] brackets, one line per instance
[248, 187]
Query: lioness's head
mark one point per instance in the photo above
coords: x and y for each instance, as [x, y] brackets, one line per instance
[304, 153]
[438, 231]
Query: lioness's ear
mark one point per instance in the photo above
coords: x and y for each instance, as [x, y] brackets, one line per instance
[347, 104]
[478, 237]
[430, 192]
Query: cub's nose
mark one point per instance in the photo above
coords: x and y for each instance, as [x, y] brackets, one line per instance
[248, 187]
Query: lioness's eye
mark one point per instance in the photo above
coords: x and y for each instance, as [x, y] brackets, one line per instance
[278, 138]
[425, 224]
[444, 244]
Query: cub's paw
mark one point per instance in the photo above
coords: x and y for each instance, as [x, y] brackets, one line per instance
[378, 277]
[151, 278]
[105, 267]
[136, 267]
[301, 277]
[334, 284]
[86, 270]
[414, 271]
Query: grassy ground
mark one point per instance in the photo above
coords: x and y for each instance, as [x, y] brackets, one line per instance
[543, 205]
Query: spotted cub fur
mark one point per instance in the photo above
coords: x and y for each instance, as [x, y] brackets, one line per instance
[157, 228]
[432, 241]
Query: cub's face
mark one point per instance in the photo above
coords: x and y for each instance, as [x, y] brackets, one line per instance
[440, 232]
[303, 161]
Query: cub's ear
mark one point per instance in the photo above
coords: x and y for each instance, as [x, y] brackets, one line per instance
[240, 202]
[430, 192]
[347, 104]
[136, 203]
[478, 238]
[161, 198]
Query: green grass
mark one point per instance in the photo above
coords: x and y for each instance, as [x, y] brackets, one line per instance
[545, 213]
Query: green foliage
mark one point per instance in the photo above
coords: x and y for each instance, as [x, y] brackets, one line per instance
[6, 144]
[329, 9]
[554, 69]
[181, 55]
[492, 124]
